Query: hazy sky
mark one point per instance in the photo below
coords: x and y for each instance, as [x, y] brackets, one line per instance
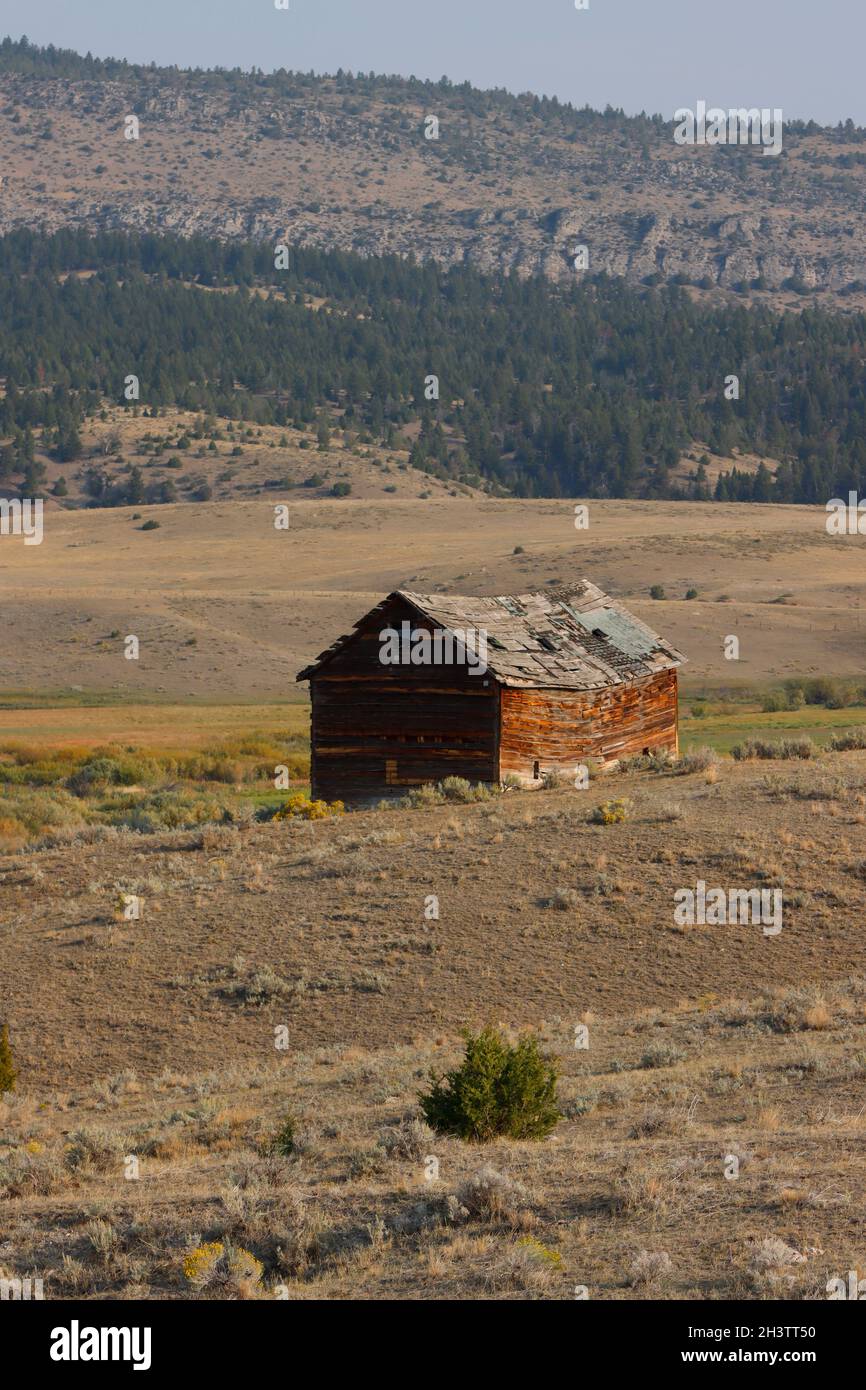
[805, 56]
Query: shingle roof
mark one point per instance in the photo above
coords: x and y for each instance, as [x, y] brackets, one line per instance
[573, 638]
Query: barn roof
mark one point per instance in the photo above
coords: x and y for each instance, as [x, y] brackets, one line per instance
[574, 638]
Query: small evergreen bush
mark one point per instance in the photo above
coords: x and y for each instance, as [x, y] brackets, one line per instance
[8, 1073]
[497, 1090]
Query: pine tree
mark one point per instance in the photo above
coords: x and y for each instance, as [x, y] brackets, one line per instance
[34, 478]
[135, 486]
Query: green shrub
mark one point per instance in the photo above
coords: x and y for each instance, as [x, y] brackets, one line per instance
[93, 1151]
[791, 696]
[283, 1142]
[564, 898]
[101, 772]
[775, 701]
[850, 741]
[659, 760]
[39, 811]
[450, 789]
[661, 1054]
[492, 1196]
[610, 812]
[8, 1074]
[94, 776]
[638, 763]
[458, 789]
[698, 760]
[555, 780]
[419, 797]
[823, 690]
[784, 749]
[497, 1090]
[163, 810]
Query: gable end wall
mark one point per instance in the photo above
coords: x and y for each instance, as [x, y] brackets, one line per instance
[560, 728]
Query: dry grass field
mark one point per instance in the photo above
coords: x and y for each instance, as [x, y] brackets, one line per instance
[336, 911]
[289, 967]
[227, 608]
[156, 1040]
[153, 728]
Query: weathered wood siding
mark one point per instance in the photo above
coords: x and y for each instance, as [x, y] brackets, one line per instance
[377, 730]
[559, 728]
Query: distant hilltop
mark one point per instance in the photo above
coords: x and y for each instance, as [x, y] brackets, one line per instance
[433, 170]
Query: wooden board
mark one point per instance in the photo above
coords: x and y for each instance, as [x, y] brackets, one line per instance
[561, 728]
[379, 729]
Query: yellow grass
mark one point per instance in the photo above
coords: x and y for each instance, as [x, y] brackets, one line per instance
[148, 728]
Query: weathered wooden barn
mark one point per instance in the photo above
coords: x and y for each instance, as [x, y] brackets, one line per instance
[569, 676]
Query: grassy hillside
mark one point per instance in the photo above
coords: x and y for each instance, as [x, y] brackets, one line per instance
[154, 1040]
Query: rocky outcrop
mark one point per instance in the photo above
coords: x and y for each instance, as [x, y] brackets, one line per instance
[319, 171]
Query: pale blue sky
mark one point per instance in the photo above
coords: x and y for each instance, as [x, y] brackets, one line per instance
[803, 56]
